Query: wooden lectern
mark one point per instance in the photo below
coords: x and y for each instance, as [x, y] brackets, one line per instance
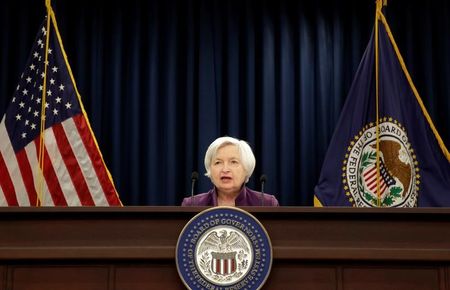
[133, 248]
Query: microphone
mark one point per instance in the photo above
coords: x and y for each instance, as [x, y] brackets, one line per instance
[262, 180]
[194, 178]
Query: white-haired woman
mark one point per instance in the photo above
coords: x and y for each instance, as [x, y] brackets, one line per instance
[229, 163]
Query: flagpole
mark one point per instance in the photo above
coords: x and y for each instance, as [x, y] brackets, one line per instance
[43, 107]
[377, 117]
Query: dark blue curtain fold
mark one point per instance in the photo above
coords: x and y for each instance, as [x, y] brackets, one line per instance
[160, 80]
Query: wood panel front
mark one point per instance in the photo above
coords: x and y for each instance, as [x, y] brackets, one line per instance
[134, 248]
[148, 277]
[58, 277]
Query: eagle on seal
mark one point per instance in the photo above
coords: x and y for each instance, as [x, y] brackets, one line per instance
[223, 242]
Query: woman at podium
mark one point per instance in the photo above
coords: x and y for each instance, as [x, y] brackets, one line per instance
[229, 163]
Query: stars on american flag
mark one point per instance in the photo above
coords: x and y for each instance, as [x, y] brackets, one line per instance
[24, 115]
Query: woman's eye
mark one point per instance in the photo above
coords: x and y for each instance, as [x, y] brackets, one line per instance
[235, 162]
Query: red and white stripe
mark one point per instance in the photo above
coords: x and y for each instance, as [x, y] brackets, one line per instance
[224, 266]
[74, 171]
[370, 176]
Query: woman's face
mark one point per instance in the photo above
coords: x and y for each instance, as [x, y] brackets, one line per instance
[227, 172]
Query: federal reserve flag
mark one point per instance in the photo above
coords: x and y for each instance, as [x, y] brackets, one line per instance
[405, 163]
[58, 164]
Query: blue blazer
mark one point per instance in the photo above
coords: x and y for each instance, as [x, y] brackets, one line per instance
[246, 197]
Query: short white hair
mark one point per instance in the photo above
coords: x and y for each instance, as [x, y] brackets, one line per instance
[246, 154]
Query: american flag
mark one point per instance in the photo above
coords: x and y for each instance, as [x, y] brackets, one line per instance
[74, 172]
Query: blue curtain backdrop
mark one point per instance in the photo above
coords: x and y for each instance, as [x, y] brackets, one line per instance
[160, 80]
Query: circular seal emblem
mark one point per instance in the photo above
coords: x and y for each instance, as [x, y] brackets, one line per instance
[398, 177]
[224, 248]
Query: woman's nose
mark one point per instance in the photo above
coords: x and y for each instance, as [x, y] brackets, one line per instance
[226, 167]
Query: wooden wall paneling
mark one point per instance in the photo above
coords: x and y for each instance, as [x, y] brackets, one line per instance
[391, 278]
[58, 277]
[133, 248]
[286, 274]
[3, 277]
[160, 275]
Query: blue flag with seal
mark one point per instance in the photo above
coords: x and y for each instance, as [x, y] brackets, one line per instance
[402, 164]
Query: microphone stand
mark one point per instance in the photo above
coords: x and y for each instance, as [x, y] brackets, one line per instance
[262, 179]
[194, 177]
